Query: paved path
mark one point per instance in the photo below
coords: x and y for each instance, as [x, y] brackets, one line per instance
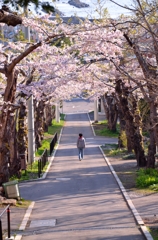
[83, 197]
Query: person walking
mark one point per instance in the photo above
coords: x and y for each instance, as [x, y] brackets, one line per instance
[81, 145]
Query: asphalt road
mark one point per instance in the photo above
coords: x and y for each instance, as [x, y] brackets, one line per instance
[78, 105]
[78, 200]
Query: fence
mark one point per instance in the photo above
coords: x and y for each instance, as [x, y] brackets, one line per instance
[8, 222]
[53, 142]
[42, 162]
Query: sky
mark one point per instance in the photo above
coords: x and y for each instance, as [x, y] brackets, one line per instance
[90, 12]
[113, 9]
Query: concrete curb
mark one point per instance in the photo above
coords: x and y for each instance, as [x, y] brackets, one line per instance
[25, 220]
[128, 200]
[91, 125]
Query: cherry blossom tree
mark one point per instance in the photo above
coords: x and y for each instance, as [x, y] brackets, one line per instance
[11, 56]
[140, 33]
[60, 71]
[104, 54]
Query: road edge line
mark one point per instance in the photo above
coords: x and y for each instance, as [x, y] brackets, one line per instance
[25, 220]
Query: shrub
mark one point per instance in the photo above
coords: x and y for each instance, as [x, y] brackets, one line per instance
[118, 151]
[146, 177]
[154, 187]
[145, 181]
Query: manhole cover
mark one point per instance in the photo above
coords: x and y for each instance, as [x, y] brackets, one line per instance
[43, 223]
[63, 179]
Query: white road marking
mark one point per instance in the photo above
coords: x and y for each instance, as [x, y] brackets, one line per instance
[63, 179]
[43, 223]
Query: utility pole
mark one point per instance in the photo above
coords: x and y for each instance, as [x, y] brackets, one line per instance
[96, 110]
[57, 112]
[30, 115]
[26, 29]
[31, 131]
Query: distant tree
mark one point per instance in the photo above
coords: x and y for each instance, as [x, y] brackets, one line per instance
[25, 4]
[12, 18]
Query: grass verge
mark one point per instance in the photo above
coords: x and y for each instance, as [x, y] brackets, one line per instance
[23, 203]
[32, 170]
[30, 173]
[101, 129]
[55, 128]
[154, 233]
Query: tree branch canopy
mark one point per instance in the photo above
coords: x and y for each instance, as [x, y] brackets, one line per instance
[10, 18]
[23, 55]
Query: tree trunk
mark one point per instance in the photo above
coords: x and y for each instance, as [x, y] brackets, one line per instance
[150, 74]
[133, 121]
[111, 112]
[14, 163]
[128, 136]
[122, 128]
[4, 171]
[153, 136]
[9, 96]
[39, 123]
[151, 151]
[49, 116]
[105, 106]
[22, 133]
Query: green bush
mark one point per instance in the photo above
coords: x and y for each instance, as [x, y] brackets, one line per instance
[145, 181]
[146, 177]
[149, 171]
[154, 233]
[45, 145]
[154, 187]
[118, 151]
[54, 128]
